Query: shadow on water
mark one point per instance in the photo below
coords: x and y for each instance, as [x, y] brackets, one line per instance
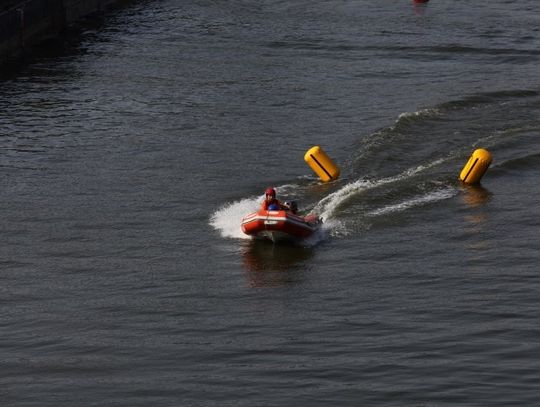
[272, 265]
[69, 43]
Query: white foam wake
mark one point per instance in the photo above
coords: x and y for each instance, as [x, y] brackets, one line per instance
[435, 196]
[328, 205]
[228, 219]
[429, 112]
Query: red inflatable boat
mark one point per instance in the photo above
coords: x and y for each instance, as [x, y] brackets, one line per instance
[279, 225]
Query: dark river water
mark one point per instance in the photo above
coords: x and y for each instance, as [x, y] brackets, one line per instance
[132, 147]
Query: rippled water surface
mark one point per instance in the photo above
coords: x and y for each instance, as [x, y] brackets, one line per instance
[131, 149]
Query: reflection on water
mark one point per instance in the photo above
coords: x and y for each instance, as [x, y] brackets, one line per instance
[271, 265]
[60, 50]
[475, 197]
[419, 8]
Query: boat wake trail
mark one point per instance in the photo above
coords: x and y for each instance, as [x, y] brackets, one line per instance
[408, 164]
[431, 197]
[227, 220]
[328, 206]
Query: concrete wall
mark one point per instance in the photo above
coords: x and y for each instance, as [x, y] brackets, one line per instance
[28, 22]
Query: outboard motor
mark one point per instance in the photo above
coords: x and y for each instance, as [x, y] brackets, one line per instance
[293, 207]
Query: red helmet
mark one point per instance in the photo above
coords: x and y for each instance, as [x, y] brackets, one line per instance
[270, 191]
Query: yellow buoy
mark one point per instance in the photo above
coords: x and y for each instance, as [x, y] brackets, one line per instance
[476, 167]
[323, 166]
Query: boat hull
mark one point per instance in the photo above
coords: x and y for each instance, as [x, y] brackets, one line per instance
[279, 226]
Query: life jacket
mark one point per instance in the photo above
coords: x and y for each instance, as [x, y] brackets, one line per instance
[265, 204]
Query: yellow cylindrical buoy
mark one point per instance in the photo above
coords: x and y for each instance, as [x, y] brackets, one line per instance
[476, 167]
[323, 166]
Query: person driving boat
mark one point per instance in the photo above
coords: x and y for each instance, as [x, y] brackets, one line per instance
[270, 202]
